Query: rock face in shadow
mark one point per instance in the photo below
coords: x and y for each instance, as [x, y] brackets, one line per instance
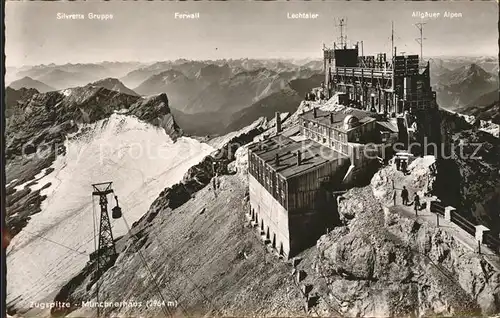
[155, 110]
[468, 177]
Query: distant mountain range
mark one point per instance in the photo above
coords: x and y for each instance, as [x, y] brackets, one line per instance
[212, 97]
[72, 75]
[487, 63]
[223, 121]
[28, 82]
[459, 88]
[177, 85]
[216, 98]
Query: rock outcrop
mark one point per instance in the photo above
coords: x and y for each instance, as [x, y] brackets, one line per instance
[382, 264]
[156, 111]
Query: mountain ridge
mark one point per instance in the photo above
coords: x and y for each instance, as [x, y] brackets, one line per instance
[28, 82]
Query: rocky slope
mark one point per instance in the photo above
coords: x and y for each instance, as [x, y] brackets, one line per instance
[382, 264]
[13, 96]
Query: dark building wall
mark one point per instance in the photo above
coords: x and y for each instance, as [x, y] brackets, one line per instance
[311, 205]
[346, 57]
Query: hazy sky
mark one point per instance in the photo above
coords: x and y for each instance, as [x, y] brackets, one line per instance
[147, 31]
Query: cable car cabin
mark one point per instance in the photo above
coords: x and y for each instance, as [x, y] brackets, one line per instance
[116, 212]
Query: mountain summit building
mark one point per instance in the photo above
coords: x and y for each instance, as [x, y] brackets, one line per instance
[294, 176]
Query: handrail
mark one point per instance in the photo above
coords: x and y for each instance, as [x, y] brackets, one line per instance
[466, 225]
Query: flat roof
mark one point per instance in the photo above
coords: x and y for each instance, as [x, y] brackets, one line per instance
[323, 117]
[314, 155]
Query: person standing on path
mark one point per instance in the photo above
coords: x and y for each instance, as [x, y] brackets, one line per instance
[416, 203]
[404, 165]
[404, 196]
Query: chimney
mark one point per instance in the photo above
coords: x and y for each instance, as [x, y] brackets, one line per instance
[299, 157]
[278, 122]
[315, 112]
[331, 118]
[277, 160]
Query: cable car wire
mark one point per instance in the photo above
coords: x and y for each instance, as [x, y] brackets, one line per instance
[164, 308]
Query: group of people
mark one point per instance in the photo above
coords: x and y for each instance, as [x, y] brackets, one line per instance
[405, 197]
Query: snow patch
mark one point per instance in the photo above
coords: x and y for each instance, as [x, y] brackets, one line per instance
[66, 92]
[8, 184]
[40, 175]
[140, 159]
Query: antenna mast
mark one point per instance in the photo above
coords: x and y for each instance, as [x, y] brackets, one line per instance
[343, 38]
[420, 27]
[392, 40]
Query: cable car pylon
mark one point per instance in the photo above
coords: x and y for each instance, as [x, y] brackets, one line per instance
[106, 250]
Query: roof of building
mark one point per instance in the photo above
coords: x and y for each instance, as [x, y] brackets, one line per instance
[313, 155]
[336, 119]
[388, 126]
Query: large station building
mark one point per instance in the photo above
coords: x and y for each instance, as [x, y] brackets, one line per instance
[294, 175]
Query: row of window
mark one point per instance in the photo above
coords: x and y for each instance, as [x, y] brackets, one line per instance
[325, 131]
[268, 178]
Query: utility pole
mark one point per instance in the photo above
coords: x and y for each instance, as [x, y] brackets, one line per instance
[420, 27]
[106, 251]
